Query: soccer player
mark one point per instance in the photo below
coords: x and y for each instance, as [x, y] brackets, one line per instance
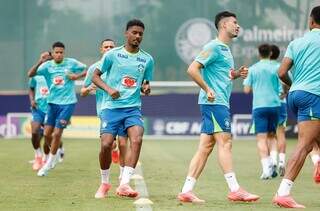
[129, 70]
[264, 82]
[279, 144]
[88, 87]
[213, 71]
[302, 56]
[60, 74]
[38, 92]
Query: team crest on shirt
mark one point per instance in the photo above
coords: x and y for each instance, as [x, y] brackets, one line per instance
[140, 67]
[129, 82]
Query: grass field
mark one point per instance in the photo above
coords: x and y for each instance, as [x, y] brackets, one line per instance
[72, 184]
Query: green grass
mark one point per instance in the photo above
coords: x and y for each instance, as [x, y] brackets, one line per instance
[71, 186]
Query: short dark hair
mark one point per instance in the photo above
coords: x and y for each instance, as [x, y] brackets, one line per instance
[264, 50]
[58, 44]
[134, 22]
[275, 52]
[221, 15]
[107, 39]
[315, 14]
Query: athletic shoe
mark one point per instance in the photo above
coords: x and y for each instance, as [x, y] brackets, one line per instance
[43, 171]
[126, 190]
[55, 161]
[316, 172]
[61, 155]
[37, 164]
[265, 176]
[281, 171]
[189, 197]
[115, 156]
[274, 171]
[286, 202]
[102, 191]
[242, 195]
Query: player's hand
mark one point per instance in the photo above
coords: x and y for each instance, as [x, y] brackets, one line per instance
[146, 89]
[92, 87]
[72, 76]
[33, 104]
[115, 94]
[243, 72]
[210, 95]
[45, 56]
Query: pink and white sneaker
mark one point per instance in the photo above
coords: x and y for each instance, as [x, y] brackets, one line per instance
[37, 164]
[286, 202]
[127, 191]
[102, 191]
[189, 197]
[242, 195]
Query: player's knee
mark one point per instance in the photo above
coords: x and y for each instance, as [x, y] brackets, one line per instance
[106, 145]
[137, 141]
[226, 145]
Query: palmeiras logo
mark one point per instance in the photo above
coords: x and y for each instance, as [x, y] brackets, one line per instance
[192, 36]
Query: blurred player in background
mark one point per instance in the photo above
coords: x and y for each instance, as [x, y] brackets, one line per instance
[88, 87]
[303, 57]
[129, 70]
[213, 71]
[263, 81]
[60, 74]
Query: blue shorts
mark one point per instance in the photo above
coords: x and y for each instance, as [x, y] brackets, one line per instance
[283, 116]
[117, 121]
[59, 115]
[305, 105]
[266, 119]
[38, 116]
[215, 119]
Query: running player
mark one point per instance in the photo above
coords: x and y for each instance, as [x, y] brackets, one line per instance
[38, 92]
[60, 74]
[128, 68]
[213, 71]
[264, 82]
[88, 87]
[302, 56]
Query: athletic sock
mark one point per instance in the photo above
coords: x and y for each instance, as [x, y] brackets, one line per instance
[126, 175]
[232, 181]
[188, 184]
[104, 176]
[285, 187]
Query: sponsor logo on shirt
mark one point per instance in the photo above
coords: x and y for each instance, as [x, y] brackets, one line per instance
[129, 82]
[122, 55]
[223, 48]
[58, 80]
[141, 60]
[44, 91]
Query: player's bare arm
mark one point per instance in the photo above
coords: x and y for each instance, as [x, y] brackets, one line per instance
[99, 83]
[73, 76]
[145, 88]
[31, 98]
[194, 72]
[45, 56]
[247, 89]
[285, 66]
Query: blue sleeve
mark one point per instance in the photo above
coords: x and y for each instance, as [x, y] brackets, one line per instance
[289, 52]
[32, 83]
[106, 62]
[248, 80]
[43, 69]
[207, 55]
[148, 74]
[77, 66]
[88, 79]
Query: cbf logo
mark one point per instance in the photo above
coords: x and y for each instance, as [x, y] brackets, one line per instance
[192, 36]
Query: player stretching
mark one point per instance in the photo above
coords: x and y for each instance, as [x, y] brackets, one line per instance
[213, 71]
[38, 92]
[264, 82]
[60, 74]
[302, 56]
[128, 68]
[88, 86]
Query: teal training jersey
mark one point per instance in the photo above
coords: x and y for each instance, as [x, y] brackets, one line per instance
[217, 62]
[125, 72]
[41, 92]
[305, 54]
[99, 92]
[62, 89]
[264, 81]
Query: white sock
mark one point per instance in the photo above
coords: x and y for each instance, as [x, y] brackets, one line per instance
[315, 158]
[38, 152]
[266, 165]
[232, 181]
[121, 171]
[282, 159]
[274, 155]
[104, 176]
[45, 157]
[285, 187]
[188, 184]
[50, 160]
[126, 175]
